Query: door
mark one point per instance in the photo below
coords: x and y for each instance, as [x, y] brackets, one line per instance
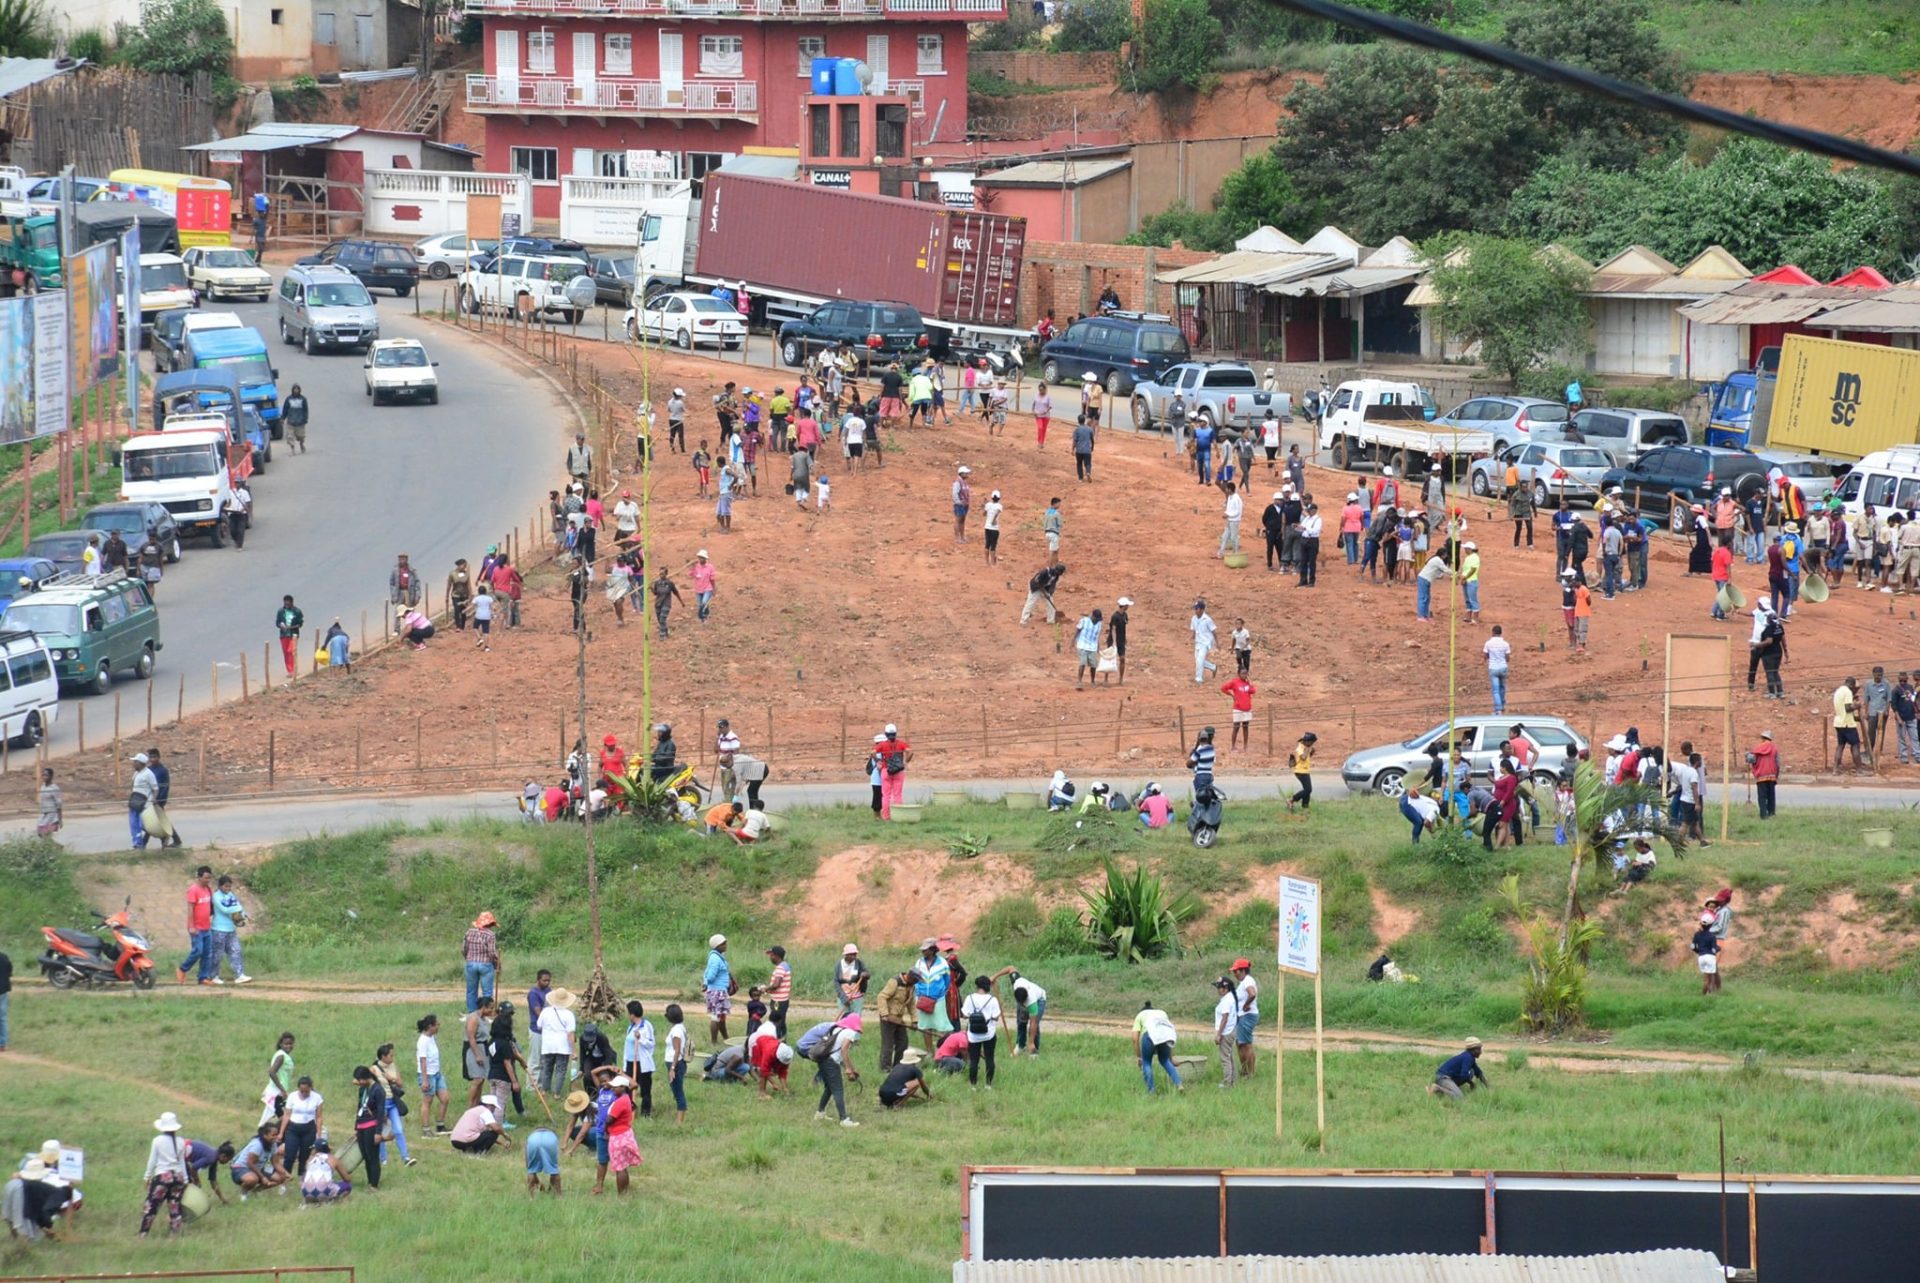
[583, 87]
[361, 56]
[877, 63]
[506, 65]
[583, 165]
[673, 70]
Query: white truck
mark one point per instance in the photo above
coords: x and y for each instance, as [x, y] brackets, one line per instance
[184, 468]
[533, 285]
[163, 286]
[1388, 424]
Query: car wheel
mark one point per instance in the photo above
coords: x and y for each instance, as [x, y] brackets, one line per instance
[1117, 383]
[32, 731]
[439, 271]
[217, 533]
[143, 667]
[102, 681]
[173, 550]
[377, 398]
[469, 301]
[286, 336]
[1342, 455]
[1545, 780]
[306, 343]
[1050, 372]
[683, 341]
[279, 430]
[1680, 516]
[633, 330]
[433, 397]
[790, 352]
[1540, 495]
[401, 291]
[1142, 414]
[1390, 783]
[1480, 486]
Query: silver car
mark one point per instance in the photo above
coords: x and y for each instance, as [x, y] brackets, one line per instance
[1511, 419]
[1553, 470]
[1386, 770]
[449, 252]
[1816, 477]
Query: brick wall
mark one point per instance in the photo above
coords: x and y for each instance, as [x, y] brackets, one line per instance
[1049, 69]
[1067, 277]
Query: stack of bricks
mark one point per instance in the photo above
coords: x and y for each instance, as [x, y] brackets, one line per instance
[1067, 277]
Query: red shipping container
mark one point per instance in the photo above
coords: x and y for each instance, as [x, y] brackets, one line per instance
[954, 265]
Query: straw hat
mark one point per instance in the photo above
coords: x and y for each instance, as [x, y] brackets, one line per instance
[561, 998]
[577, 1102]
[486, 920]
[1472, 1044]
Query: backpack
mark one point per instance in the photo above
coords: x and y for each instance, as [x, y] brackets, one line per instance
[896, 762]
[817, 1043]
[977, 1022]
[1774, 629]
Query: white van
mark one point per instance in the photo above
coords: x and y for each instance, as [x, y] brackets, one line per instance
[1885, 478]
[29, 691]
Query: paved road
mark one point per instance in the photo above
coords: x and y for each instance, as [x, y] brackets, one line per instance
[257, 823]
[435, 482]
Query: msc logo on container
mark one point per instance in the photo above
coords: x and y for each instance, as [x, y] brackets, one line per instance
[1846, 399]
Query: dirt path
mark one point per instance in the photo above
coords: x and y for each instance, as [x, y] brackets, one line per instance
[170, 1094]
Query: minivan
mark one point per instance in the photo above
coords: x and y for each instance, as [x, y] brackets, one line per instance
[94, 626]
[1120, 349]
[322, 306]
[1624, 434]
[29, 694]
[1885, 478]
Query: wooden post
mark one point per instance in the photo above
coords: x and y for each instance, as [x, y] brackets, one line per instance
[266, 666]
[203, 764]
[244, 692]
[1182, 723]
[986, 740]
[843, 732]
[149, 705]
[1119, 716]
[270, 762]
[81, 709]
[769, 728]
[700, 735]
[563, 737]
[1269, 730]
[358, 759]
[1353, 727]
[1319, 1061]
[180, 704]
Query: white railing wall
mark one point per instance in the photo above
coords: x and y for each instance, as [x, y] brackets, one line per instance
[606, 211]
[417, 203]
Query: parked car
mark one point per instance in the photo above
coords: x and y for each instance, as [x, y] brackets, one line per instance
[613, 278]
[1816, 477]
[326, 306]
[93, 627]
[1225, 393]
[133, 520]
[64, 548]
[29, 692]
[876, 330]
[1884, 478]
[221, 271]
[1388, 769]
[1624, 434]
[1555, 471]
[166, 338]
[22, 575]
[382, 265]
[537, 246]
[532, 285]
[1683, 475]
[46, 191]
[687, 321]
[449, 252]
[398, 369]
[1511, 419]
[1120, 349]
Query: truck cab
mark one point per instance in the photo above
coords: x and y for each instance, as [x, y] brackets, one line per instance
[216, 390]
[1742, 399]
[1353, 399]
[184, 469]
[30, 249]
[245, 350]
[163, 287]
[669, 235]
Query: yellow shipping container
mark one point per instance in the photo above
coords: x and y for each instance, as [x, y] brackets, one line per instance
[1844, 400]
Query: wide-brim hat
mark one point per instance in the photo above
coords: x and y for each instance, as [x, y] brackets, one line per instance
[486, 920]
[577, 1101]
[561, 998]
[167, 1122]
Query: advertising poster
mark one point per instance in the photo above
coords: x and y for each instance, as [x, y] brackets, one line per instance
[16, 369]
[1300, 926]
[50, 369]
[130, 313]
[94, 312]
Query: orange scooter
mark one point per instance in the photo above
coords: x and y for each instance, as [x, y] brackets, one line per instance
[120, 955]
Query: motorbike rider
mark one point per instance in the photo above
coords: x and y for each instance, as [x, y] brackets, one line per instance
[665, 751]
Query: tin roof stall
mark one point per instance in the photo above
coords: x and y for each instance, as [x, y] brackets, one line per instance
[314, 175]
[1638, 299]
[1372, 294]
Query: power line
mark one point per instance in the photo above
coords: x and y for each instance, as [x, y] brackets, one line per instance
[1604, 86]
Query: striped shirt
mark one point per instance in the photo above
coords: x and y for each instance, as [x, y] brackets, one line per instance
[780, 984]
[1201, 760]
[480, 946]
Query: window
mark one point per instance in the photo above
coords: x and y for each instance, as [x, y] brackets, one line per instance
[323, 29]
[274, 16]
[890, 130]
[930, 55]
[610, 164]
[811, 47]
[723, 55]
[541, 164]
[619, 55]
[850, 129]
[820, 131]
[27, 669]
[699, 165]
[540, 52]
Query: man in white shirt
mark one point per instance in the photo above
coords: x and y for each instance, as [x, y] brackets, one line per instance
[1421, 811]
[556, 1026]
[1204, 630]
[725, 745]
[853, 438]
[626, 518]
[1498, 651]
[1307, 552]
[1235, 507]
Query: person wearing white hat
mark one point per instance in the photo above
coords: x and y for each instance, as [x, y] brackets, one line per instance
[677, 422]
[479, 1129]
[1273, 524]
[166, 1174]
[850, 981]
[895, 755]
[990, 526]
[1306, 551]
[718, 984]
[962, 502]
[704, 577]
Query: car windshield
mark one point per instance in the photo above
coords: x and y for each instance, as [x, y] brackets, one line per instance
[1547, 412]
[1231, 379]
[163, 276]
[58, 547]
[390, 356]
[1737, 400]
[342, 294]
[43, 617]
[171, 463]
[1608, 426]
[1585, 459]
[619, 267]
[1801, 468]
[125, 520]
[1162, 342]
[705, 304]
[45, 236]
[227, 258]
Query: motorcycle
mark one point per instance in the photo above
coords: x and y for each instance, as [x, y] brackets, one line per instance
[121, 955]
[1203, 821]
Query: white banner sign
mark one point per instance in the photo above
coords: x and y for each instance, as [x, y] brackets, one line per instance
[50, 368]
[1300, 925]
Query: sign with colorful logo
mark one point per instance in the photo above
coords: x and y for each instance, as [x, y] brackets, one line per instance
[1299, 925]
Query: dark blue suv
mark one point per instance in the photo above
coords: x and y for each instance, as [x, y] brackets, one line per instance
[1120, 349]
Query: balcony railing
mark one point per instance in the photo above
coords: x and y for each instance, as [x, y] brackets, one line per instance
[613, 97]
[972, 10]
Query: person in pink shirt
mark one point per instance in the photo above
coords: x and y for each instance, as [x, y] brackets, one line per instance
[1353, 520]
[1155, 811]
[596, 511]
[806, 434]
[704, 577]
[952, 1047]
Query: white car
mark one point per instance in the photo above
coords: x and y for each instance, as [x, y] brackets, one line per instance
[397, 368]
[688, 321]
[443, 255]
[220, 271]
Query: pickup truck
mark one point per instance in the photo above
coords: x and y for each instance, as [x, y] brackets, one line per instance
[1389, 424]
[1224, 393]
[530, 284]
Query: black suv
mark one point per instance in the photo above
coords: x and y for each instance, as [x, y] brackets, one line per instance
[1120, 349]
[1683, 475]
[386, 265]
[874, 330]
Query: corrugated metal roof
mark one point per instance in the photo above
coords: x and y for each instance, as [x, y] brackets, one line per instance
[1055, 173]
[1348, 281]
[1251, 267]
[1736, 308]
[22, 73]
[1673, 287]
[1671, 1266]
[1883, 314]
[275, 135]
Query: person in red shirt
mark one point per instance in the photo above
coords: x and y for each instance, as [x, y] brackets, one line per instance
[553, 802]
[1242, 692]
[507, 583]
[613, 760]
[622, 1150]
[893, 752]
[200, 929]
[1722, 575]
[806, 433]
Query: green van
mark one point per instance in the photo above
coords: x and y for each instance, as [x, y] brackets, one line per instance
[93, 625]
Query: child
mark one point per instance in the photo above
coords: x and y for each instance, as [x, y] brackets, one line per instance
[677, 1060]
[703, 467]
[756, 1010]
[483, 617]
[997, 411]
[822, 494]
[1706, 947]
[428, 1074]
[1582, 615]
[1564, 802]
[1242, 647]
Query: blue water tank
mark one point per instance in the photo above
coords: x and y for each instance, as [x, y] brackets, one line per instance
[845, 82]
[824, 70]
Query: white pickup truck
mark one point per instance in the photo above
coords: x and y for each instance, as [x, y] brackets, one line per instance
[532, 285]
[1389, 424]
[184, 468]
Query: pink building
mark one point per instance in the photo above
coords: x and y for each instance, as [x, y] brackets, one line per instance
[578, 87]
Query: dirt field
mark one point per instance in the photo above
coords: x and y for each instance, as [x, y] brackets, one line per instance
[826, 627]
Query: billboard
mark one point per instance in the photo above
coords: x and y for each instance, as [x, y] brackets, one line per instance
[92, 306]
[33, 366]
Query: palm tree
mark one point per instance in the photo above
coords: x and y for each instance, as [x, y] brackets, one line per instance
[1604, 816]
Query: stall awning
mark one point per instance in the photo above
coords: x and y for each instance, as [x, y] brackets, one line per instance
[1350, 282]
[271, 137]
[1250, 267]
[1882, 315]
[1734, 308]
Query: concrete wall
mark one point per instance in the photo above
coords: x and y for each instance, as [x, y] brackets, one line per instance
[1053, 70]
[1183, 170]
[1067, 277]
[70, 16]
[272, 39]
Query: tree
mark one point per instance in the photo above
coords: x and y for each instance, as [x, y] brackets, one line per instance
[1334, 129]
[1197, 229]
[179, 37]
[1521, 305]
[1613, 37]
[23, 29]
[1182, 39]
[1454, 173]
[1094, 25]
[1258, 194]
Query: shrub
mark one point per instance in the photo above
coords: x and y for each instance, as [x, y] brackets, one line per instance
[1009, 924]
[1132, 918]
[90, 45]
[1019, 30]
[1479, 934]
[1182, 39]
[1095, 26]
[1101, 830]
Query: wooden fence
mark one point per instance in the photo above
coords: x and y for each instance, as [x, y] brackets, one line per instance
[100, 120]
